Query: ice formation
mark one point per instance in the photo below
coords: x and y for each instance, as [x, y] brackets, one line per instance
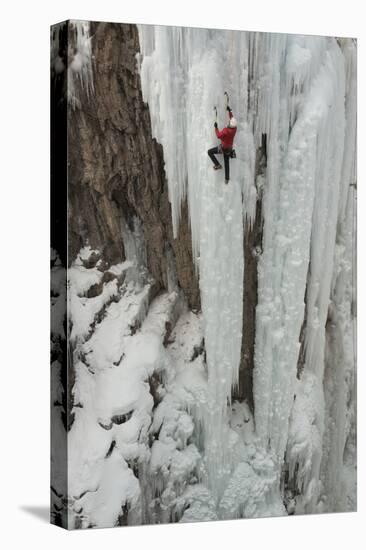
[79, 67]
[162, 438]
[299, 92]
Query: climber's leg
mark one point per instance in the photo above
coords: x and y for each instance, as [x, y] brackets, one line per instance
[211, 153]
[227, 168]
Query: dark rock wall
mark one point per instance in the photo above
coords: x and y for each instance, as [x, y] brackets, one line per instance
[58, 347]
[253, 235]
[116, 169]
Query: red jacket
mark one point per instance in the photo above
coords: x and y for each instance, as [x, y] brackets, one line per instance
[226, 135]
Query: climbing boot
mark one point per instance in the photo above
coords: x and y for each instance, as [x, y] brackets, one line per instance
[218, 167]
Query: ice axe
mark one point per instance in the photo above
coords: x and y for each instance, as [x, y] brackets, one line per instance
[215, 109]
[227, 98]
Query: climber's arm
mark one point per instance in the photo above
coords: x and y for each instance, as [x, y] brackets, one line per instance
[220, 133]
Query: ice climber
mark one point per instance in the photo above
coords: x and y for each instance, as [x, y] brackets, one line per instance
[226, 136]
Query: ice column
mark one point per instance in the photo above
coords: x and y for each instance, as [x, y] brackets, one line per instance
[303, 117]
[338, 468]
[184, 73]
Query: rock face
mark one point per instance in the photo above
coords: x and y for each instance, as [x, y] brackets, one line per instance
[253, 235]
[116, 186]
[116, 170]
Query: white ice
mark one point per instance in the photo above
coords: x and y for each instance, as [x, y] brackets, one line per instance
[299, 91]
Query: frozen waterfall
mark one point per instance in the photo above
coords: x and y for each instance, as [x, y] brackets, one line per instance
[298, 92]
[155, 381]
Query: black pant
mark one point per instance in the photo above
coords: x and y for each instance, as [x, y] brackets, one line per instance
[218, 151]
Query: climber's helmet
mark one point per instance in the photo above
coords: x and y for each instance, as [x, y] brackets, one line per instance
[232, 123]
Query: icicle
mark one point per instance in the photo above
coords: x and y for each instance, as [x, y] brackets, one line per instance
[182, 72]
[338, 469]
[80, 69]
[300, 206]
